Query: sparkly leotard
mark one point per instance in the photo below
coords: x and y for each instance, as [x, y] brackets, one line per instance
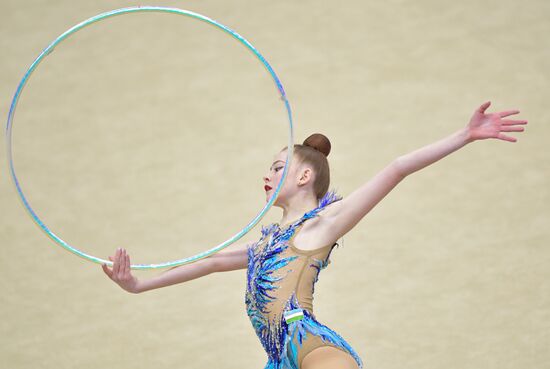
[279, 294]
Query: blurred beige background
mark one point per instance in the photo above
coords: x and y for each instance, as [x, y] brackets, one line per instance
[153, 132]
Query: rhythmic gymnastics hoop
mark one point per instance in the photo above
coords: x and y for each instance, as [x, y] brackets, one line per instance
[136, 9]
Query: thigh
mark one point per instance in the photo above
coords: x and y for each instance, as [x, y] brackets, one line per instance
[328, 357]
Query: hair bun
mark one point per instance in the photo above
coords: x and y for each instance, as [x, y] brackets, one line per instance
[319, 142]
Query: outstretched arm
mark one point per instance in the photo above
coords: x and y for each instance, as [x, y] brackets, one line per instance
[480, 127]
[343, 215]
[232, 258]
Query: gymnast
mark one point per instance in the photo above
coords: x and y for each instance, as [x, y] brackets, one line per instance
[284, 264]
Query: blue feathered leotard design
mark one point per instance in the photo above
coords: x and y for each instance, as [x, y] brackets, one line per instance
[279, 294]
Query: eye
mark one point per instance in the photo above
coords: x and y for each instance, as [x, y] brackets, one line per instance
[278, 168]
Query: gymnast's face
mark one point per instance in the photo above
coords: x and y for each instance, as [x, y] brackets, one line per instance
[274, 175]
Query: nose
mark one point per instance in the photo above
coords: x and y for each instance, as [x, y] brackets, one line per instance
[266, 179]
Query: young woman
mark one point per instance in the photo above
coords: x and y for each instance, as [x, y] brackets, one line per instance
[283, 266]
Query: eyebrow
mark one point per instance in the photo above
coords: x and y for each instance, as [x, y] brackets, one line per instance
[276, 162]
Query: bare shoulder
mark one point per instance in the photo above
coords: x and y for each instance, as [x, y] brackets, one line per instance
[318, 232]
[331, 211]
[341, 216]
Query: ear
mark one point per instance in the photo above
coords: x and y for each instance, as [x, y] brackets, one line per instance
[306, 175]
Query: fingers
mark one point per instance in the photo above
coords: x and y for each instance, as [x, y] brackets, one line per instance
[122, 264]
[116, 262]
[508, 122]
[484, 107]
[511, 129]
[503, 114]
[123, 271]
[107, 270]
[127, 270]
[121, 260]
[506, 138]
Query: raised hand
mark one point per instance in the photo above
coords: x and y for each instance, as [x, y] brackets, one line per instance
[491, 125]
[120, 273]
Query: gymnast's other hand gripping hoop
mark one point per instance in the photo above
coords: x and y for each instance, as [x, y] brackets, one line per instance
[121, 11]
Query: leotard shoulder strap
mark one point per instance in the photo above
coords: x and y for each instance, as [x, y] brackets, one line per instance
[327, 199]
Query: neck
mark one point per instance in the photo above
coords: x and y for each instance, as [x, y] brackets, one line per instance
[295, 207]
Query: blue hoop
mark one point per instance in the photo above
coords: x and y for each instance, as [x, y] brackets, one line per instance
[121, 11]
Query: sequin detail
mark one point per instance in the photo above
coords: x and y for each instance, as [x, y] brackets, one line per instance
[268, 299]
